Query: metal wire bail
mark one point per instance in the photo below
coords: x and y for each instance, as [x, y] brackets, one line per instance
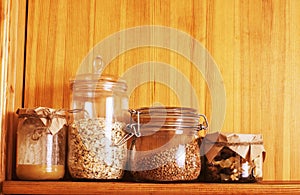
[203, 126]
[134, 129]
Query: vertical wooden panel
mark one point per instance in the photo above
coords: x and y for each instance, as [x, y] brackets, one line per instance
[5, 6]
[135, 13]
[291, 124]
[40, 62]
[13, 17]
[189, 17]
[278, 58]
[220, 43]
[80, 34]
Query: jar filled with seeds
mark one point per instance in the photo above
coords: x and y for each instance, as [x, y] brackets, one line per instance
[100, 109]
[230, 157]
[41, 144]
[164, 146]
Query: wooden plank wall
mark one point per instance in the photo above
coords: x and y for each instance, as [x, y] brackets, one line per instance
[3, 37]
[12, 39]
[255, 43]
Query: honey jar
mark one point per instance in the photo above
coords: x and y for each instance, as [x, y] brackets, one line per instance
[41, 144]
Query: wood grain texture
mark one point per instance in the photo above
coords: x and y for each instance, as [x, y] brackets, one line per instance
[4, 49]
[13, 15]
[23, 187]
[254, 43]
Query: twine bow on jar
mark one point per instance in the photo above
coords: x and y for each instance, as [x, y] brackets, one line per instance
[52, 119]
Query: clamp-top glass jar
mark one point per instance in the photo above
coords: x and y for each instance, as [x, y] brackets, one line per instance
[100, 107]
[165, 144]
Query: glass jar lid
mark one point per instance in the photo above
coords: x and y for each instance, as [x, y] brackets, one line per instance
[96, 82]
[148, 120]
[180, 117]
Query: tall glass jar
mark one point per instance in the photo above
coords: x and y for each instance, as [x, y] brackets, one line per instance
[165, 146]
[41, 144]
[100, 107]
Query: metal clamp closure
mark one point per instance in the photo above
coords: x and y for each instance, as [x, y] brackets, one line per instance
[203, 126]
[134, 129]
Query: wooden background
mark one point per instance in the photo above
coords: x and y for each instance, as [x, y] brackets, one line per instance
[255, 43]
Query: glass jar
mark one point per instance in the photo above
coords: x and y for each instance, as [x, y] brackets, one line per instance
[100, 109]
[230, 157]
[165, 146]
[41, 144]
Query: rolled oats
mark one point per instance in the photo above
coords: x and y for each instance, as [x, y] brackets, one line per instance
[93, 153]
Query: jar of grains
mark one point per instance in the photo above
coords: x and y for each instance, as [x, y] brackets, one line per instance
[41, 144]
[164, 146]
[100, 107]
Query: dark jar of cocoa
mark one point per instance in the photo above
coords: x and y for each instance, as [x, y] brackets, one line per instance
[230, 157]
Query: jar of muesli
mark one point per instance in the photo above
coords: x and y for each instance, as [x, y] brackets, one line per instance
[100, 109]
[165, 144]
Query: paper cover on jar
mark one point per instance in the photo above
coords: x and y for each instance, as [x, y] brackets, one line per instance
[248, 146]
[54, 119]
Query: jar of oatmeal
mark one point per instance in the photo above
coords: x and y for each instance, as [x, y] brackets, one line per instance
[41, 144]
[165, 144]
[100, 108]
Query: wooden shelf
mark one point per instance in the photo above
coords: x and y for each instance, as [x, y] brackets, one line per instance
[70, 187]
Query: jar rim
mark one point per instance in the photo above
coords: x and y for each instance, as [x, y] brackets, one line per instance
[169, 118]
[167, 109]
[185, 130]
[97, 82]
[167, 114]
